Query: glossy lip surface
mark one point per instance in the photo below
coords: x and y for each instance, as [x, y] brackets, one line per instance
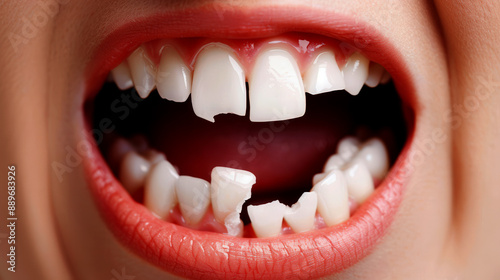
[194, 254]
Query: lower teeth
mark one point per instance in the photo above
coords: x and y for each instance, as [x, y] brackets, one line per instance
[347, 180]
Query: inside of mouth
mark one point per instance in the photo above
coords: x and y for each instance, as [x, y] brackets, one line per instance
[283, 155]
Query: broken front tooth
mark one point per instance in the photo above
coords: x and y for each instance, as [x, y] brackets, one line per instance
[218, 83]
[230, 188]
[374, 154]
[333, 198]
[143, 72]
[133, 171]
[359, 181]
[324, 75]
[267, 219]
[173, 79]
[355, 73]
[194, 198]
[159, 189]
[300, 217]
[348, 147]
[374, 75]
[276, 91]
[122, 77]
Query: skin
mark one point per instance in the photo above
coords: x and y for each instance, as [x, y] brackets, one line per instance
[446, 227]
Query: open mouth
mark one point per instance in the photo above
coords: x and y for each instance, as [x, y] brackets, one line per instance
[278, 152]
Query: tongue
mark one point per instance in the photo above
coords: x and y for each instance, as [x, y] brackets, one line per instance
[282, 155]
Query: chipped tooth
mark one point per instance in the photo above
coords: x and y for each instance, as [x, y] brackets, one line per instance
[133, 171]
[154, 156]
[386, 77]
[355, 73]
[276, 91]
[159, 189]
[374, 75]
[122, 77]
[118, 149]
[348, 147]
[221, 91]
[323, 75]
[194, 198]
[300, 217]
[173, 80]
[267, 219]
[374, 154]
[359, 181]
[143, 72]
[230, 188]
[333, 198]
[334, 162]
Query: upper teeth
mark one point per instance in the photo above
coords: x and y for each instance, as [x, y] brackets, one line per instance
[276, 83]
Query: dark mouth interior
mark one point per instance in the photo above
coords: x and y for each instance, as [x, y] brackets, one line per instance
[283, 155]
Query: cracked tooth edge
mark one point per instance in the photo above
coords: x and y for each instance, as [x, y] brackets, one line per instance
[267, 219]
[133, 171]
[122, 77]
[173, 80]
[218, 91]
[348, 147]
[374, 154]
[230, 188]
[359, 181]
[276, 90]
[374, 74]
[324, 75]
[194, 198]
[159, 189]
[143, 72]
[333, 197]
[300, 217]
[355, 73]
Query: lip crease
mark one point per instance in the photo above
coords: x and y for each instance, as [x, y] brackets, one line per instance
[195, 254]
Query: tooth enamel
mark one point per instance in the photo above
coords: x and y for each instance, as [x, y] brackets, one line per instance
[159, 189]
[300, 217]
[276, 91]
[374, 75]
[318, 177]
[122, 77]
[173, 80]
[333, 198]
[133, 171]
[323, 75]
[143, 72]
[118, 150]
[154, 156]
[218, 83]
[194, 198]
[334, 162]
[347, 147]
[359, 181]
[374, 154]
[230, 188]
[386, 77]
[355, 73]
[267, 219]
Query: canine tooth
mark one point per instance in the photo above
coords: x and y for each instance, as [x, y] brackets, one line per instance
[333, 198]
[386, 77]
[359, 181]
[122, 77]
[324, 75]
[374, 154]
[267, 219]
[230, 188]
[276, 91]
[194, 198]
[173, 80]
[348, 147]
[218, 83]
[301, 215]
[355, 73]
[143, 72]
[159, 189]
[374, 75]
[133, 171]
[334, 162]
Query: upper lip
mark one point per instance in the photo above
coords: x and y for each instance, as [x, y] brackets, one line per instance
[201, 254]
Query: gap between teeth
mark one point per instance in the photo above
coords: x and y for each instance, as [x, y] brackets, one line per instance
[348, 178]
[217, 84]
